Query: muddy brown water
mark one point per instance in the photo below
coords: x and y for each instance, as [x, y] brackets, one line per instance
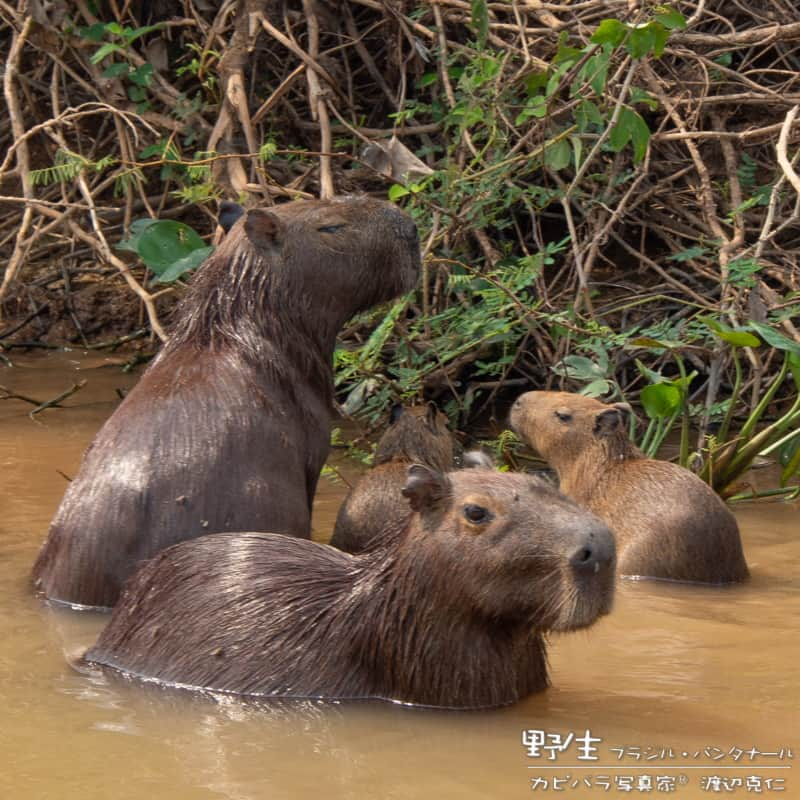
[683, 676]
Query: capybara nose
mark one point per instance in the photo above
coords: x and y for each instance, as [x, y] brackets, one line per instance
[596, 553]
[402, 223]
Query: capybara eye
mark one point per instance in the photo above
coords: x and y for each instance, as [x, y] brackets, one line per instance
[563, 414]
[477, 514]
[330, 228]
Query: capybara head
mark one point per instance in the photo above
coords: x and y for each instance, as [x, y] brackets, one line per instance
[417, 433]
[323, 259]
[561, 425]
[518, 551]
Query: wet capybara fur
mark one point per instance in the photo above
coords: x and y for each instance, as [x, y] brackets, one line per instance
[447, 609]
[416, 435]
[228, 428]
[666, 521]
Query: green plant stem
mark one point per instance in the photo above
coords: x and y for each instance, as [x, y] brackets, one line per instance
[755, 415]
[775, 445]
[741, 461]
[683, 458]
[726, 423]
[789, 491]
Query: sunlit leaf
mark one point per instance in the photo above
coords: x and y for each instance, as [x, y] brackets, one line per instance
[660, 400]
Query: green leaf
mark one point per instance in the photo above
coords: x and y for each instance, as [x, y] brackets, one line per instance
[737, 338]
[138, 226]
[670, 18]
[651, 343]
[535, 107]
[630, 127]
[792, 464]
[185, 264]
[480, 21]
[596, 388]
[794, 368]
[427, 79]
[594, 72]
[775, 339]
[649, 374]
[640, 135]
[688, 254]
[94, 33]
[558, 155]
[142, 76]
[586, 114]
[166, 242]
[116, 70]
[396, 191]
[641, 96]
[610, 31]
[641, 40]
[660, 400]
[621, 132]
[105, 50]
[132, 35]
[580, 368]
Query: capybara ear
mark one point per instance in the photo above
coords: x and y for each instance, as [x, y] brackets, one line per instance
[395, 413]
[607, 421]
[263, 227]
[424, 487]
[431, 413]
[477, 458]
[228, 214]
[625, 408]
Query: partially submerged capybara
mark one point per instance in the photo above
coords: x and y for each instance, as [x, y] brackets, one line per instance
[228, 429]
[448, 609]
[666, 521]
[416, 435]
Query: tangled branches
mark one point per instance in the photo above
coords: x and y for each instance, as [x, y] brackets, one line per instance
[586, 175]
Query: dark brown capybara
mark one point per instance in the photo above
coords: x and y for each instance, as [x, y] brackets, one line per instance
[448, 609]
[416, 435]
[228, 428]
[666, 521]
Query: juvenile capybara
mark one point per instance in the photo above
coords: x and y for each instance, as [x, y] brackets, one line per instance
[447, 609]
[416, 435]
[228, 429]
[666, 521]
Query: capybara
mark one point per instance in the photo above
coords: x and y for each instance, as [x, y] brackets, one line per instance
[666, 521]
[416, 435]
[448, 609]
[228, 428]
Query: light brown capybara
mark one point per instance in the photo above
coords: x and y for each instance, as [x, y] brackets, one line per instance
[448, 610]
[228, 428]
[416, 435]
[666, 521]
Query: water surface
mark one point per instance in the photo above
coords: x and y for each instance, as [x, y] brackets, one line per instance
[673, 670]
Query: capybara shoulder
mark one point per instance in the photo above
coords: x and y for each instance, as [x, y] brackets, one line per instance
[415, 435]
[447, 609]
[667, 522]
[228, 428]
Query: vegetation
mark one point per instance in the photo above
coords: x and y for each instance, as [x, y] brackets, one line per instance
[606, 193]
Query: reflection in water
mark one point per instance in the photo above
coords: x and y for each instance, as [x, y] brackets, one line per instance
[676, 666]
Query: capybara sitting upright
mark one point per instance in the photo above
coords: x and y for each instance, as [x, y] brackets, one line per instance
[666, 521]
[228, 429]
[416, 435]
[448, 609]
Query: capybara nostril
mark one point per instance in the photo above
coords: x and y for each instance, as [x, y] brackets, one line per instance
[595, 554]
